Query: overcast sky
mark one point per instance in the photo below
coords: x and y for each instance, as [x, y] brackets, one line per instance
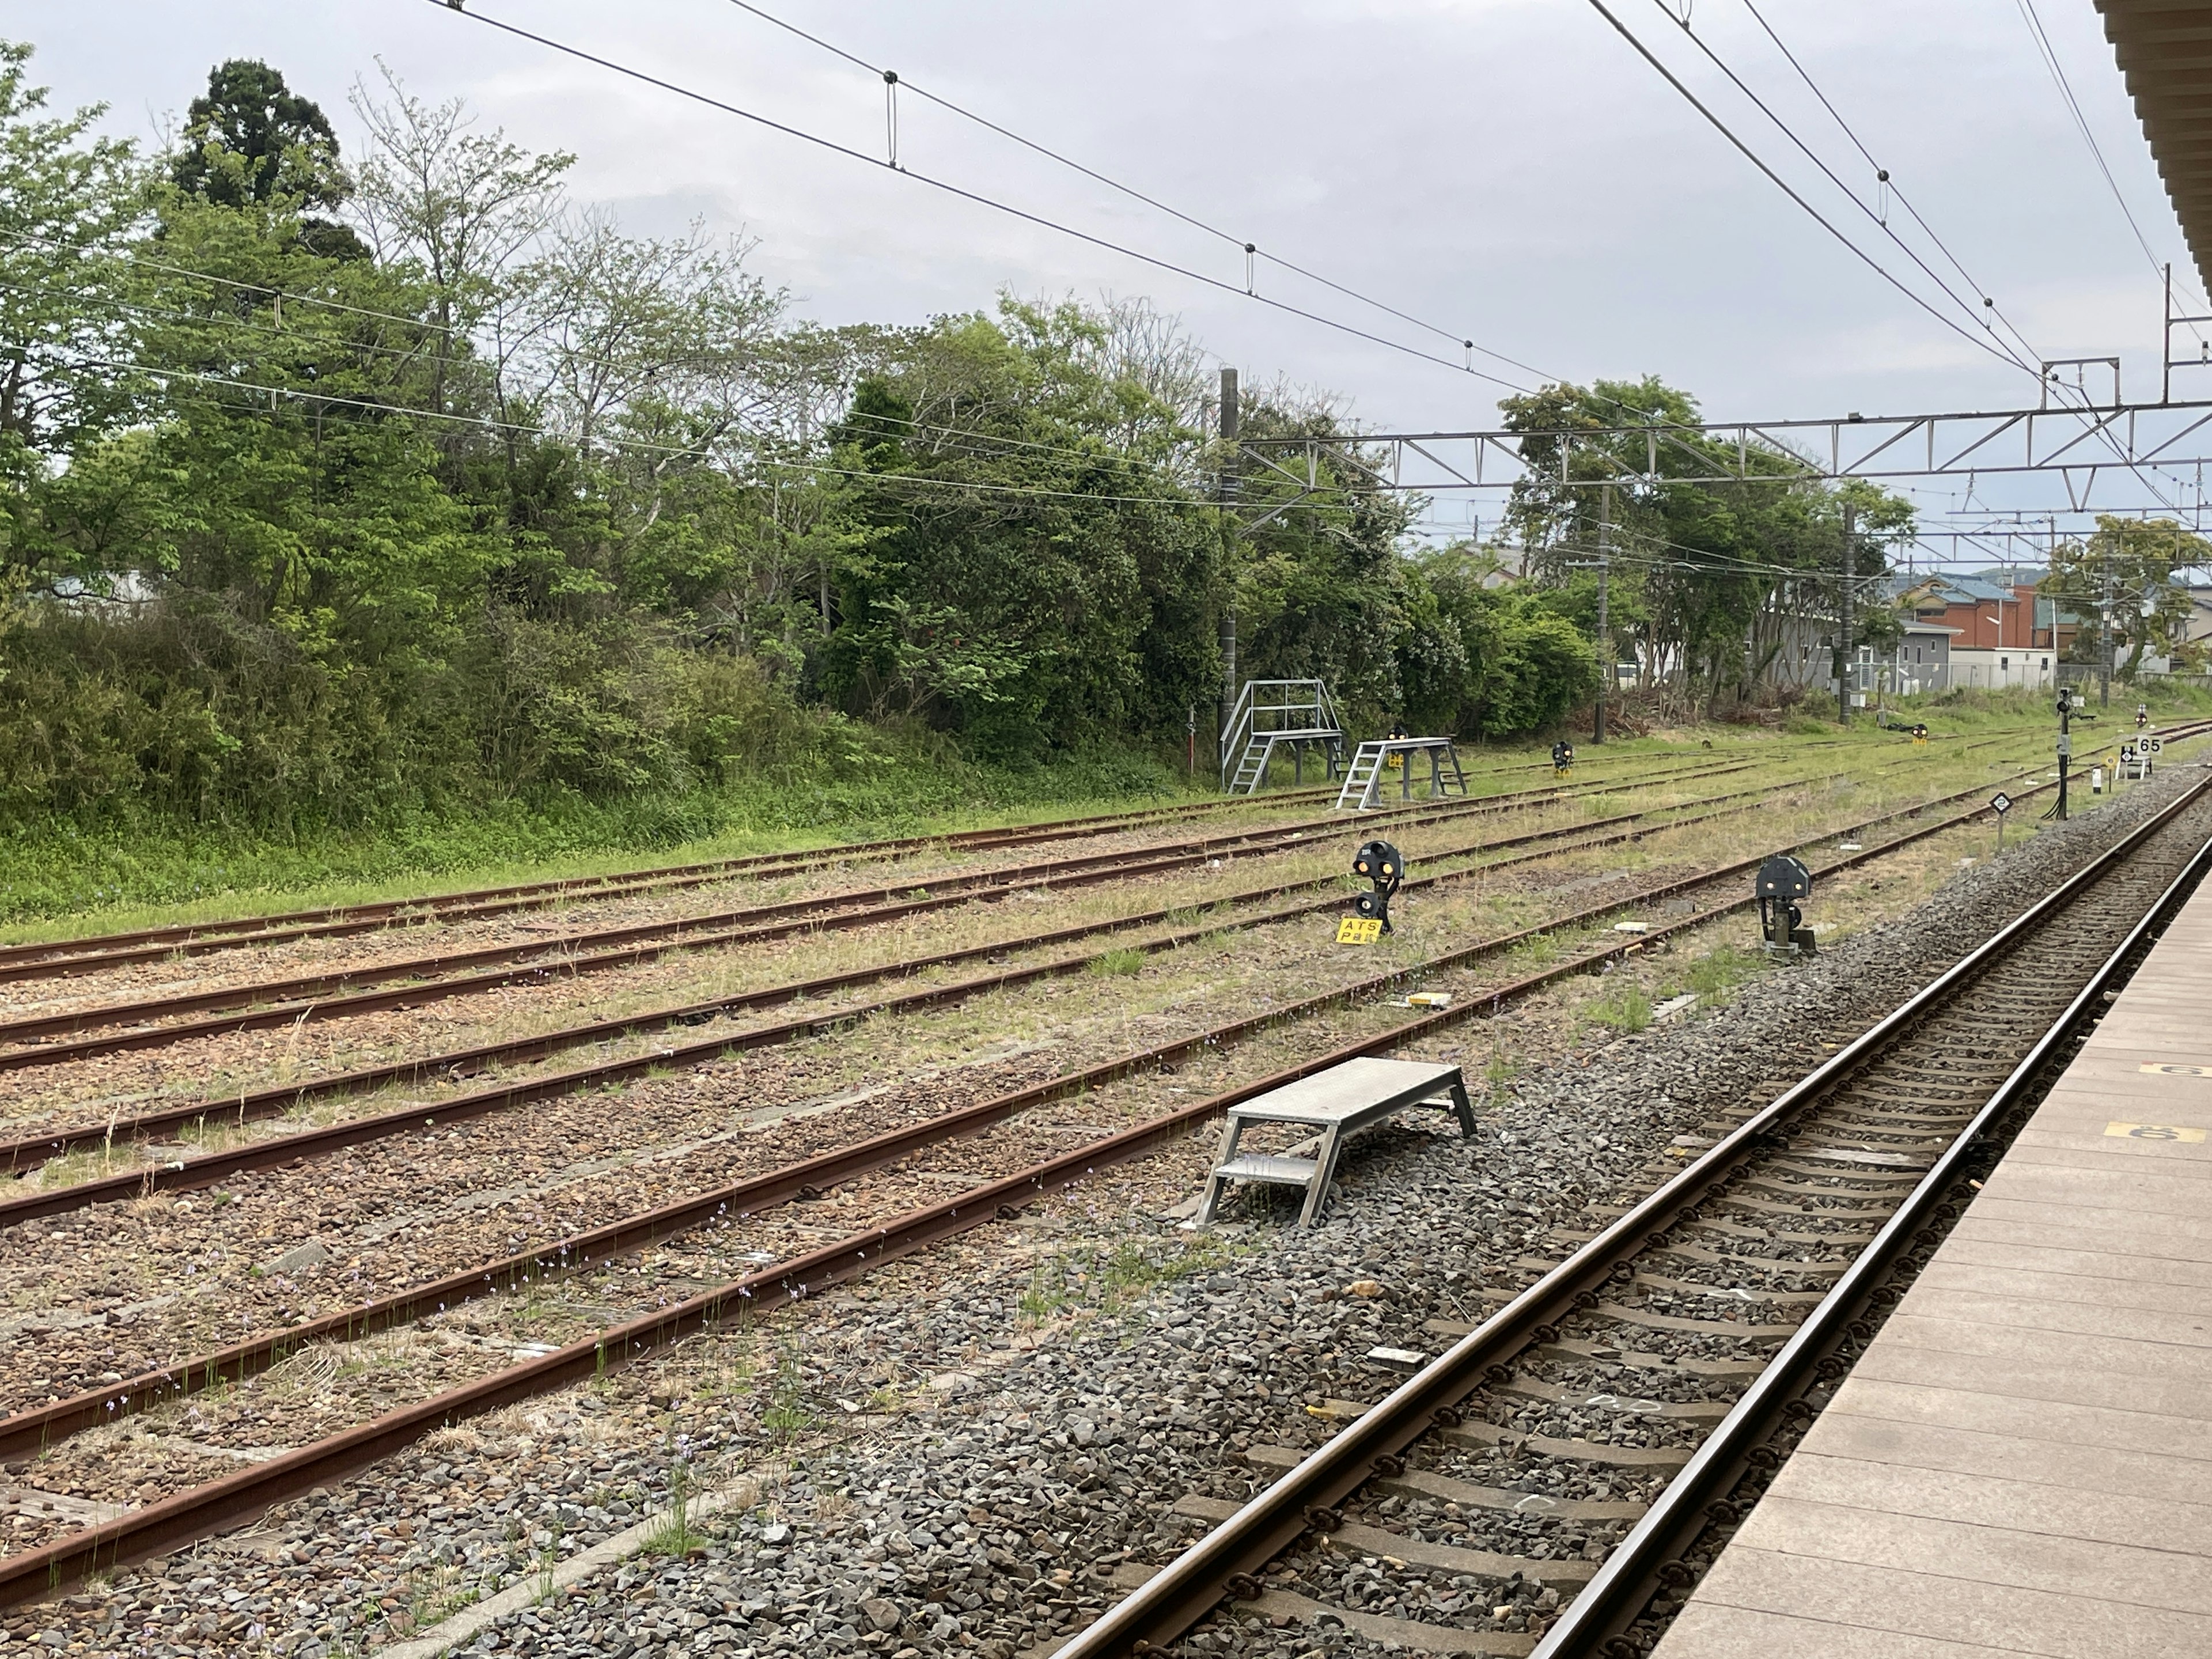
[1507, 169]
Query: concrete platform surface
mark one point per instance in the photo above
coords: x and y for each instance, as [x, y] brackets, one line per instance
[2022, 1462]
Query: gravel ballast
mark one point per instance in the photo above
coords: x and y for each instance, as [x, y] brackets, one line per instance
[980, 1448]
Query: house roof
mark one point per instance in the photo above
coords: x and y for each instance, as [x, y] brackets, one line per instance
[1974, 590]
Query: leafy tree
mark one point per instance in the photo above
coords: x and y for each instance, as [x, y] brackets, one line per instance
[1715, 577]
[282, 144]
[465, 207]
[68, 203]
[1005, 593]
[2120, 579]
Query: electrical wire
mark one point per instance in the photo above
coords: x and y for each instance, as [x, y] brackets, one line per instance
[1882, 173]
[961, 192]
[1783, 185]
[258, 288]
[267, 291]
[1210, 229]
[1136, 195]
[2050, 55]
[2013, 357]
[1829, 172]
[481, 424]
[140, 307]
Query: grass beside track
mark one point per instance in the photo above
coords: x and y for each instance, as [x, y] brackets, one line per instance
[58, 881]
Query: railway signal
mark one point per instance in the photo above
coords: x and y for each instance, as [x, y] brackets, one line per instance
[2065, 747]
[1562, 759]
[1782, 881]
[2001, 803]
[1383, 865]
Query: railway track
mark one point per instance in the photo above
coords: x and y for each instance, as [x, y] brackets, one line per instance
[27, 1153]
[316, 996]
[1590, 1436]
[93, 953]
[192, 1514]
[268, 1004]
[55, 959]
[814, 1270]
[190, 1172]
[101, 952]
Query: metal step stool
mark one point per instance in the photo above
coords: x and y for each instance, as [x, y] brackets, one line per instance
[1338, 1103]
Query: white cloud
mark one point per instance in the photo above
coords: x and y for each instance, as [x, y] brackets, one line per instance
[1508, 168]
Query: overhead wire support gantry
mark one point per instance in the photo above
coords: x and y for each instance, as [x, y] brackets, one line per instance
[2050, 439]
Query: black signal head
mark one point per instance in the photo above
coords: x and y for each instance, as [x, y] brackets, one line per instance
[1380, 862]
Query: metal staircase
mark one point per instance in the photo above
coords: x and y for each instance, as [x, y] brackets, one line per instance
[1363, 781]
[1270, 715]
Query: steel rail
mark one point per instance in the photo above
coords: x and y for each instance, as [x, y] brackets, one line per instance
[324, 997]
[217, 1504]
[187, 1173]
[392, 918]
[1189, 1587]
[1617, 1593]
[539, 957]
[27, 1153]
[416, 993]
[35, 1429]
[71, 955]
[434, 907]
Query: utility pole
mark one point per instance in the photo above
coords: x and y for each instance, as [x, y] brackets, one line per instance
[1606, 675]
[2104, 678]
[1230, 426]
[1844, 653]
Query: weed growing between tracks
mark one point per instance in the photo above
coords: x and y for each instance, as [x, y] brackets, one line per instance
[1625, 1008]
[1114, 1021]
[1350, 1023]
[832, 1350]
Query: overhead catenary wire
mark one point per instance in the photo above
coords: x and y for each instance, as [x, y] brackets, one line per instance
[1881, 173]
[1784, 187]
[1788, 132]
[486, 423]
[1811, 154]
[927, 428]
[1996, 349]
[263, 290]
[977, 197]
[1244, 245]
[2049, 53]
[296, 338]
[272, 292]
[1249, 249]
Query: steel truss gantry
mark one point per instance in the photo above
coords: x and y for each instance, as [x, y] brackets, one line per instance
[2170, 443]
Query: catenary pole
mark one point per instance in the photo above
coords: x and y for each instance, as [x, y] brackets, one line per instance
[1843, 664]
[2104, 673]
[1230, 426]
[1605, 653]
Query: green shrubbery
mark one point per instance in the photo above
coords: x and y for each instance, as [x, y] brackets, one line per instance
[343, 495]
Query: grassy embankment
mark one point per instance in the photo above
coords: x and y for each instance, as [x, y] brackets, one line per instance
[60, 879]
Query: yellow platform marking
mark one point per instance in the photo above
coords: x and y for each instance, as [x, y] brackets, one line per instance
[2153, 1132]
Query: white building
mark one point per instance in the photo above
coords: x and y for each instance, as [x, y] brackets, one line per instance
[1993, 668]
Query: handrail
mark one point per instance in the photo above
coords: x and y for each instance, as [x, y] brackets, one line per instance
[1244, 724]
